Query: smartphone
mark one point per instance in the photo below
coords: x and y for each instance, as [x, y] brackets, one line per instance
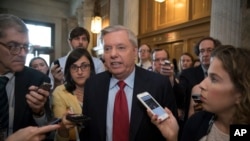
[56, 62]
[45, 86]
[196, 98]
[167, 62]
[150, 103]
[77, 118]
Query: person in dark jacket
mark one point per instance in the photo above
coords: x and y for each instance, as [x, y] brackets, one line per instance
[23, 102]
[225, 96]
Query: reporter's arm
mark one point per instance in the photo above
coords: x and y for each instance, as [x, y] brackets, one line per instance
[169, 128]
[32, 133]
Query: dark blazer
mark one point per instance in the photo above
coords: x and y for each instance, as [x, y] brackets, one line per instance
[141, 128]
[188, 79]
[197, 126]
[23, 80]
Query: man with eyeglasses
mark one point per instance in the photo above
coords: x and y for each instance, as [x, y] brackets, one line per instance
[161, 64]
[144, 55]
[22, 102]
[193, 76]
[78, 38]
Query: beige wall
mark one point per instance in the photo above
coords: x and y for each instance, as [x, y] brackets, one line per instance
[49, 11]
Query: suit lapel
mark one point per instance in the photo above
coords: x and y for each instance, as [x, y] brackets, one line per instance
[136, 112]
[200, 74]
[102, 102]
[20, 100]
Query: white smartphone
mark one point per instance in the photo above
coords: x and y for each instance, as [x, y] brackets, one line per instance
[149, 102]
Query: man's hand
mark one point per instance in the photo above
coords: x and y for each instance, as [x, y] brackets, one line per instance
[65, 125]
[32, 133]
[168, 70]
[197, 107]
[57, 75]
[36, 99]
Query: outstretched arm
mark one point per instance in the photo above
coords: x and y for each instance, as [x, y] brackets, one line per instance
[32, 133]
[169, 127]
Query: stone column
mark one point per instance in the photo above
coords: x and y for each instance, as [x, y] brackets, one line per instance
[115, 14]
[246, 24]
[226, 21]
[131, 15]
[88, 13]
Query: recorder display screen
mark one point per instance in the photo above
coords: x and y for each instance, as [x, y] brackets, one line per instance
[158, 110]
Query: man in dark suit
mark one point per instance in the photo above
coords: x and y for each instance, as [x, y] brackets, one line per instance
[120, 52]
[23, 80]
[27, 103]
[193, 76]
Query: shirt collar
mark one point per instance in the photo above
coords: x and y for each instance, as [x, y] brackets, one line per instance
[129, 80]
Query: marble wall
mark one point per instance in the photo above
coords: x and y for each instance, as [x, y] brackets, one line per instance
[230, 22]
[246, 25]
[43, 11]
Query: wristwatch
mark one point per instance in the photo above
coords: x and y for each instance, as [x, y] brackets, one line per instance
[40, 114]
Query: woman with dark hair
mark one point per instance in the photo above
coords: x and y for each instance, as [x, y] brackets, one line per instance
[225, 97]
[39, 64]
[69, 96]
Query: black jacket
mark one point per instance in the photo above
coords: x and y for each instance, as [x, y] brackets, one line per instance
[141, 128]
[23, 116]
[197, 126]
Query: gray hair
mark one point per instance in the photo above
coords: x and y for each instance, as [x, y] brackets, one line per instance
[113, 28]
[10, 21]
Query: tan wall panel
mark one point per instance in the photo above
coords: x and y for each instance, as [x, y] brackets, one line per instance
[146, 18]
[177, 50]
[191, 43]
[200, 8]
[171, 12]
[176, 29]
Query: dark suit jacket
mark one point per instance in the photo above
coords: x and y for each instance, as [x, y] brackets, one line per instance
[188, 79]
[23, 80]
[141, 128]
[197, 126]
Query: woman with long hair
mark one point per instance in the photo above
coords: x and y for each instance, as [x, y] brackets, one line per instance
[69, 96]
[225, 97]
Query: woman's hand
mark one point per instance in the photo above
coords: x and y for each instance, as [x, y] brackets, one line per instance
[65, 125]
[169, 127]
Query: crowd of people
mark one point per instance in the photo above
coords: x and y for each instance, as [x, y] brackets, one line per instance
[81, 86]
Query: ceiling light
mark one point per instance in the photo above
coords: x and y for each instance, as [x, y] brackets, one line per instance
[160, 1]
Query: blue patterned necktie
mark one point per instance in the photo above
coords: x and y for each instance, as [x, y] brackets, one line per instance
[4, 104]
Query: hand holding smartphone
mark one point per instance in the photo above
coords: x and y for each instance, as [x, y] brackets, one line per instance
[56, 62]
[196, 98]
[150, 103]
[167, 63]
[77, 118]
[45, 86]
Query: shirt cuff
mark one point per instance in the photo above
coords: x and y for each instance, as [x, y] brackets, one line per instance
[40, 121]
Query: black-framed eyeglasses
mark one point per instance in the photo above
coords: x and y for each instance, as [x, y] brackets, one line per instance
[160, 60]
[83, 67]
[143, 51]
[15, 48]
[208, 50]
